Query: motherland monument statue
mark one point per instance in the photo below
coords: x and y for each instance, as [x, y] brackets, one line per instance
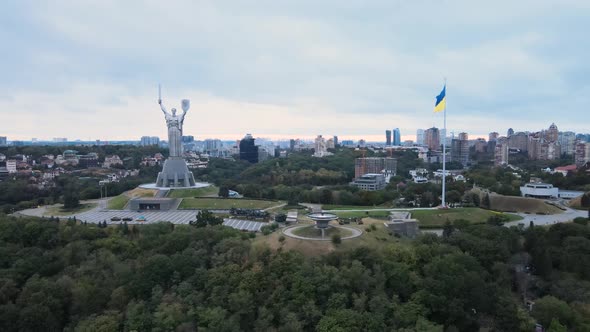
[175, 172]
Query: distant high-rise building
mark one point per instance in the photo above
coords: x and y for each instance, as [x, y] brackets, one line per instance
[347, 142]
[292, 144]
[188, 139]
[212, 145]
[3, 141]
[460, 149]
[480, 145]
[420, 137]
[335, 141]
[330, 143]
[510, 132]
[432, 139]
[388, 137]
[371, 165]
[567, 140]
[397, 139]
[493, 136]
[541, 149]
[552, 134]
[149, 140]
[582, 154]
[248, 149]
[518, 141]
[321, 147]
[501, 154]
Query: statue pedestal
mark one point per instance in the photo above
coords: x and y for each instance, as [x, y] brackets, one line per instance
[175, 173]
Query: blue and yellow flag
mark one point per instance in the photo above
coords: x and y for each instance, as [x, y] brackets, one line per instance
[441, 101]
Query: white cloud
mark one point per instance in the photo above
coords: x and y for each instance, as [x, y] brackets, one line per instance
[331, 67]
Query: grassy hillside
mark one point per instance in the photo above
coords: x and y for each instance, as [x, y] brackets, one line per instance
[521, 204]
[224, 204]
[118, 202]
[210, 191]
[437, 218]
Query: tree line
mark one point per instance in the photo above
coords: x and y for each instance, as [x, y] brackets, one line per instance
[163, 277]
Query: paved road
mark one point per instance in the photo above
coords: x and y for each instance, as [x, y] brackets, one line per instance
[173, 216]
[101, 213]
[537, 219]
[289, 232]
[275, 207]
[42, 210]
[384, 209]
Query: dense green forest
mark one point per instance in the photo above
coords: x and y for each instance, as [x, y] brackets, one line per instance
[304, 178]
[17, 194]
[162, 277]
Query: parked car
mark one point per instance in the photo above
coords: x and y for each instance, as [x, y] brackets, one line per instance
[115, 219]
[127, 219]
[141, 218]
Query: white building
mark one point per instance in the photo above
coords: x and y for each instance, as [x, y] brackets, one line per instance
[420, 137]
[539, 190]
[567, 140]
[370, 182]
[109, 161]
[321, 147]
[11, 166]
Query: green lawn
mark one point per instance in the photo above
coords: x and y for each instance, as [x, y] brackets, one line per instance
[437, 218]
[118, 202]
[312, 232]
[375, 239]
[352, 207]
[197, 192]
[362, 214]
[224, 204]
[60, 211]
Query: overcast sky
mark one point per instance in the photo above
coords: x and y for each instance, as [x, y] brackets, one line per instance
[90, 69]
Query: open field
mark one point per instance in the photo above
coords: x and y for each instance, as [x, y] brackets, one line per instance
[437, 218]
[225, 203]
[354, 207]
[141, 192]
[362, 214]
[196, 192]
[377, 238]
[118, 202]
[312, 232]
[521, 204]
[60, 211]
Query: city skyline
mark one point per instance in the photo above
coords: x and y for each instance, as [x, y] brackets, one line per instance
[295, 70]
[374, 138]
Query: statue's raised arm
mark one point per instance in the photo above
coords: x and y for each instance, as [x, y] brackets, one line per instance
[160, 100]
[162, 106]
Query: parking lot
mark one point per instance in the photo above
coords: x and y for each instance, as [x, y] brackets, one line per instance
[174, 216]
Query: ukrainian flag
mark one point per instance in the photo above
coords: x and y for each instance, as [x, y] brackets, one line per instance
[441, 101]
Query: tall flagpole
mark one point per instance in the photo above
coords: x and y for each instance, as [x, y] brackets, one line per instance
[444, 176]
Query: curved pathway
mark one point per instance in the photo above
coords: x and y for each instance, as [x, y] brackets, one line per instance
[549, 219]
[289, 232]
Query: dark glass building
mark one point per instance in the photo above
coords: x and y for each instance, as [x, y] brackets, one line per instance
[248, 151]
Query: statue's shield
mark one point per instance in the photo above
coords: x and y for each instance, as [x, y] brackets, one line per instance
[186, 104]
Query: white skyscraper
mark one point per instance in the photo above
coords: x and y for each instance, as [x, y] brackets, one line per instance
[420, 137]
[320, 147]
[567, 140]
